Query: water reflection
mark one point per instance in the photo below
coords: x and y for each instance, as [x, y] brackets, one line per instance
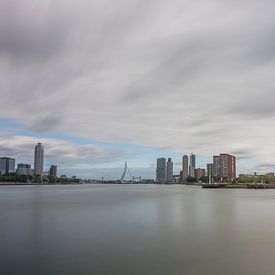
[135, 230]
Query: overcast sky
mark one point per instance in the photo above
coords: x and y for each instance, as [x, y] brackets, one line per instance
[101, 82]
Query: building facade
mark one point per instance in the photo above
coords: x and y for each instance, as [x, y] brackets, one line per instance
[53, 171]
[228, 166]
[210, 170]
[7, 165]
[192, 166]
[38, 159]
[199, 172]
[224, 167]
[169, 171]
[216, 167]
[24, 169]
[161, 170]
[184, 172]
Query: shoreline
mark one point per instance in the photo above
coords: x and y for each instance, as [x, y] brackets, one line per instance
[203, 186]
[32, 184]
[239, 186]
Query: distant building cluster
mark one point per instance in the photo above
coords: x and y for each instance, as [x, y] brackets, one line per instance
[164, 172]
[223, 168]
[7, 165]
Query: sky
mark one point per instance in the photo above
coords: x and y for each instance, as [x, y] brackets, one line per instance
[103, 82]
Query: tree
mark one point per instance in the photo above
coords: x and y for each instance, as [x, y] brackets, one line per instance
[191, 179]
[204, 179]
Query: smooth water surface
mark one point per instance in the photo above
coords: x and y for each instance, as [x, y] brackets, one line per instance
[136, 229]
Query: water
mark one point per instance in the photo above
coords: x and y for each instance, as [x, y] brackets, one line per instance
[136, 229]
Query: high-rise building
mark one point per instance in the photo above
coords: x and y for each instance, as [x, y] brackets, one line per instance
[53, 171]
[38, 159]
[7, 165]
[24, 169]
[192, 165]
[199, 172]
[217, 167]
[161, 170]
[210, 170]
[228, 166]
[184, 168]
[224, 167]
[169, 170]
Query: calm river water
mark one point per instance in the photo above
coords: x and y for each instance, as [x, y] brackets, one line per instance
[136, 229]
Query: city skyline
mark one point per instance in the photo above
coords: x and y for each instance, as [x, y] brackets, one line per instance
[222, 167]
[135, 81]
[136, 137]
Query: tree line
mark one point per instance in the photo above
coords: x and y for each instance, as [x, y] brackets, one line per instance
[14, 177]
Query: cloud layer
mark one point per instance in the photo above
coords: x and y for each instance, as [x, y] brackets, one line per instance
[60, 152]
[178, 75]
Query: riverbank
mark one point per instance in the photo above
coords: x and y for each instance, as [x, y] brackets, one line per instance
[34, 183]
[240, 186]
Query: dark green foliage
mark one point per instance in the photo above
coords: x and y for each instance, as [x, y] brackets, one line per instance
[191, 179]
[13, 177]
[204, 179]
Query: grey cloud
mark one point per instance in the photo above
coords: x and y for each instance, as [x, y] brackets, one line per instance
[244, 153]
[46, 123]
[175, 75]
[23, 35]
[179, 66]
[258, 106]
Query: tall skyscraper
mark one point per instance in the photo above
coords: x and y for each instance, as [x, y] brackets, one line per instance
[161, 170]
[184, 168]
[7, 165]
[38, 159]
[192, 166]
[169, 171]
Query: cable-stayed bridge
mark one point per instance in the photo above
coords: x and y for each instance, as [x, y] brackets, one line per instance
[128, 174]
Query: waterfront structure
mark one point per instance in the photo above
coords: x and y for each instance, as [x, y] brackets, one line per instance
[192, 166]
[216, 167]
[7, 165]
[169, 170]
[128, 171]
[210, 170]
[228, 166]
[199, 172]
[161, 170]
[184, 172]
[53, 171]
[38, 159]
[24, 169]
